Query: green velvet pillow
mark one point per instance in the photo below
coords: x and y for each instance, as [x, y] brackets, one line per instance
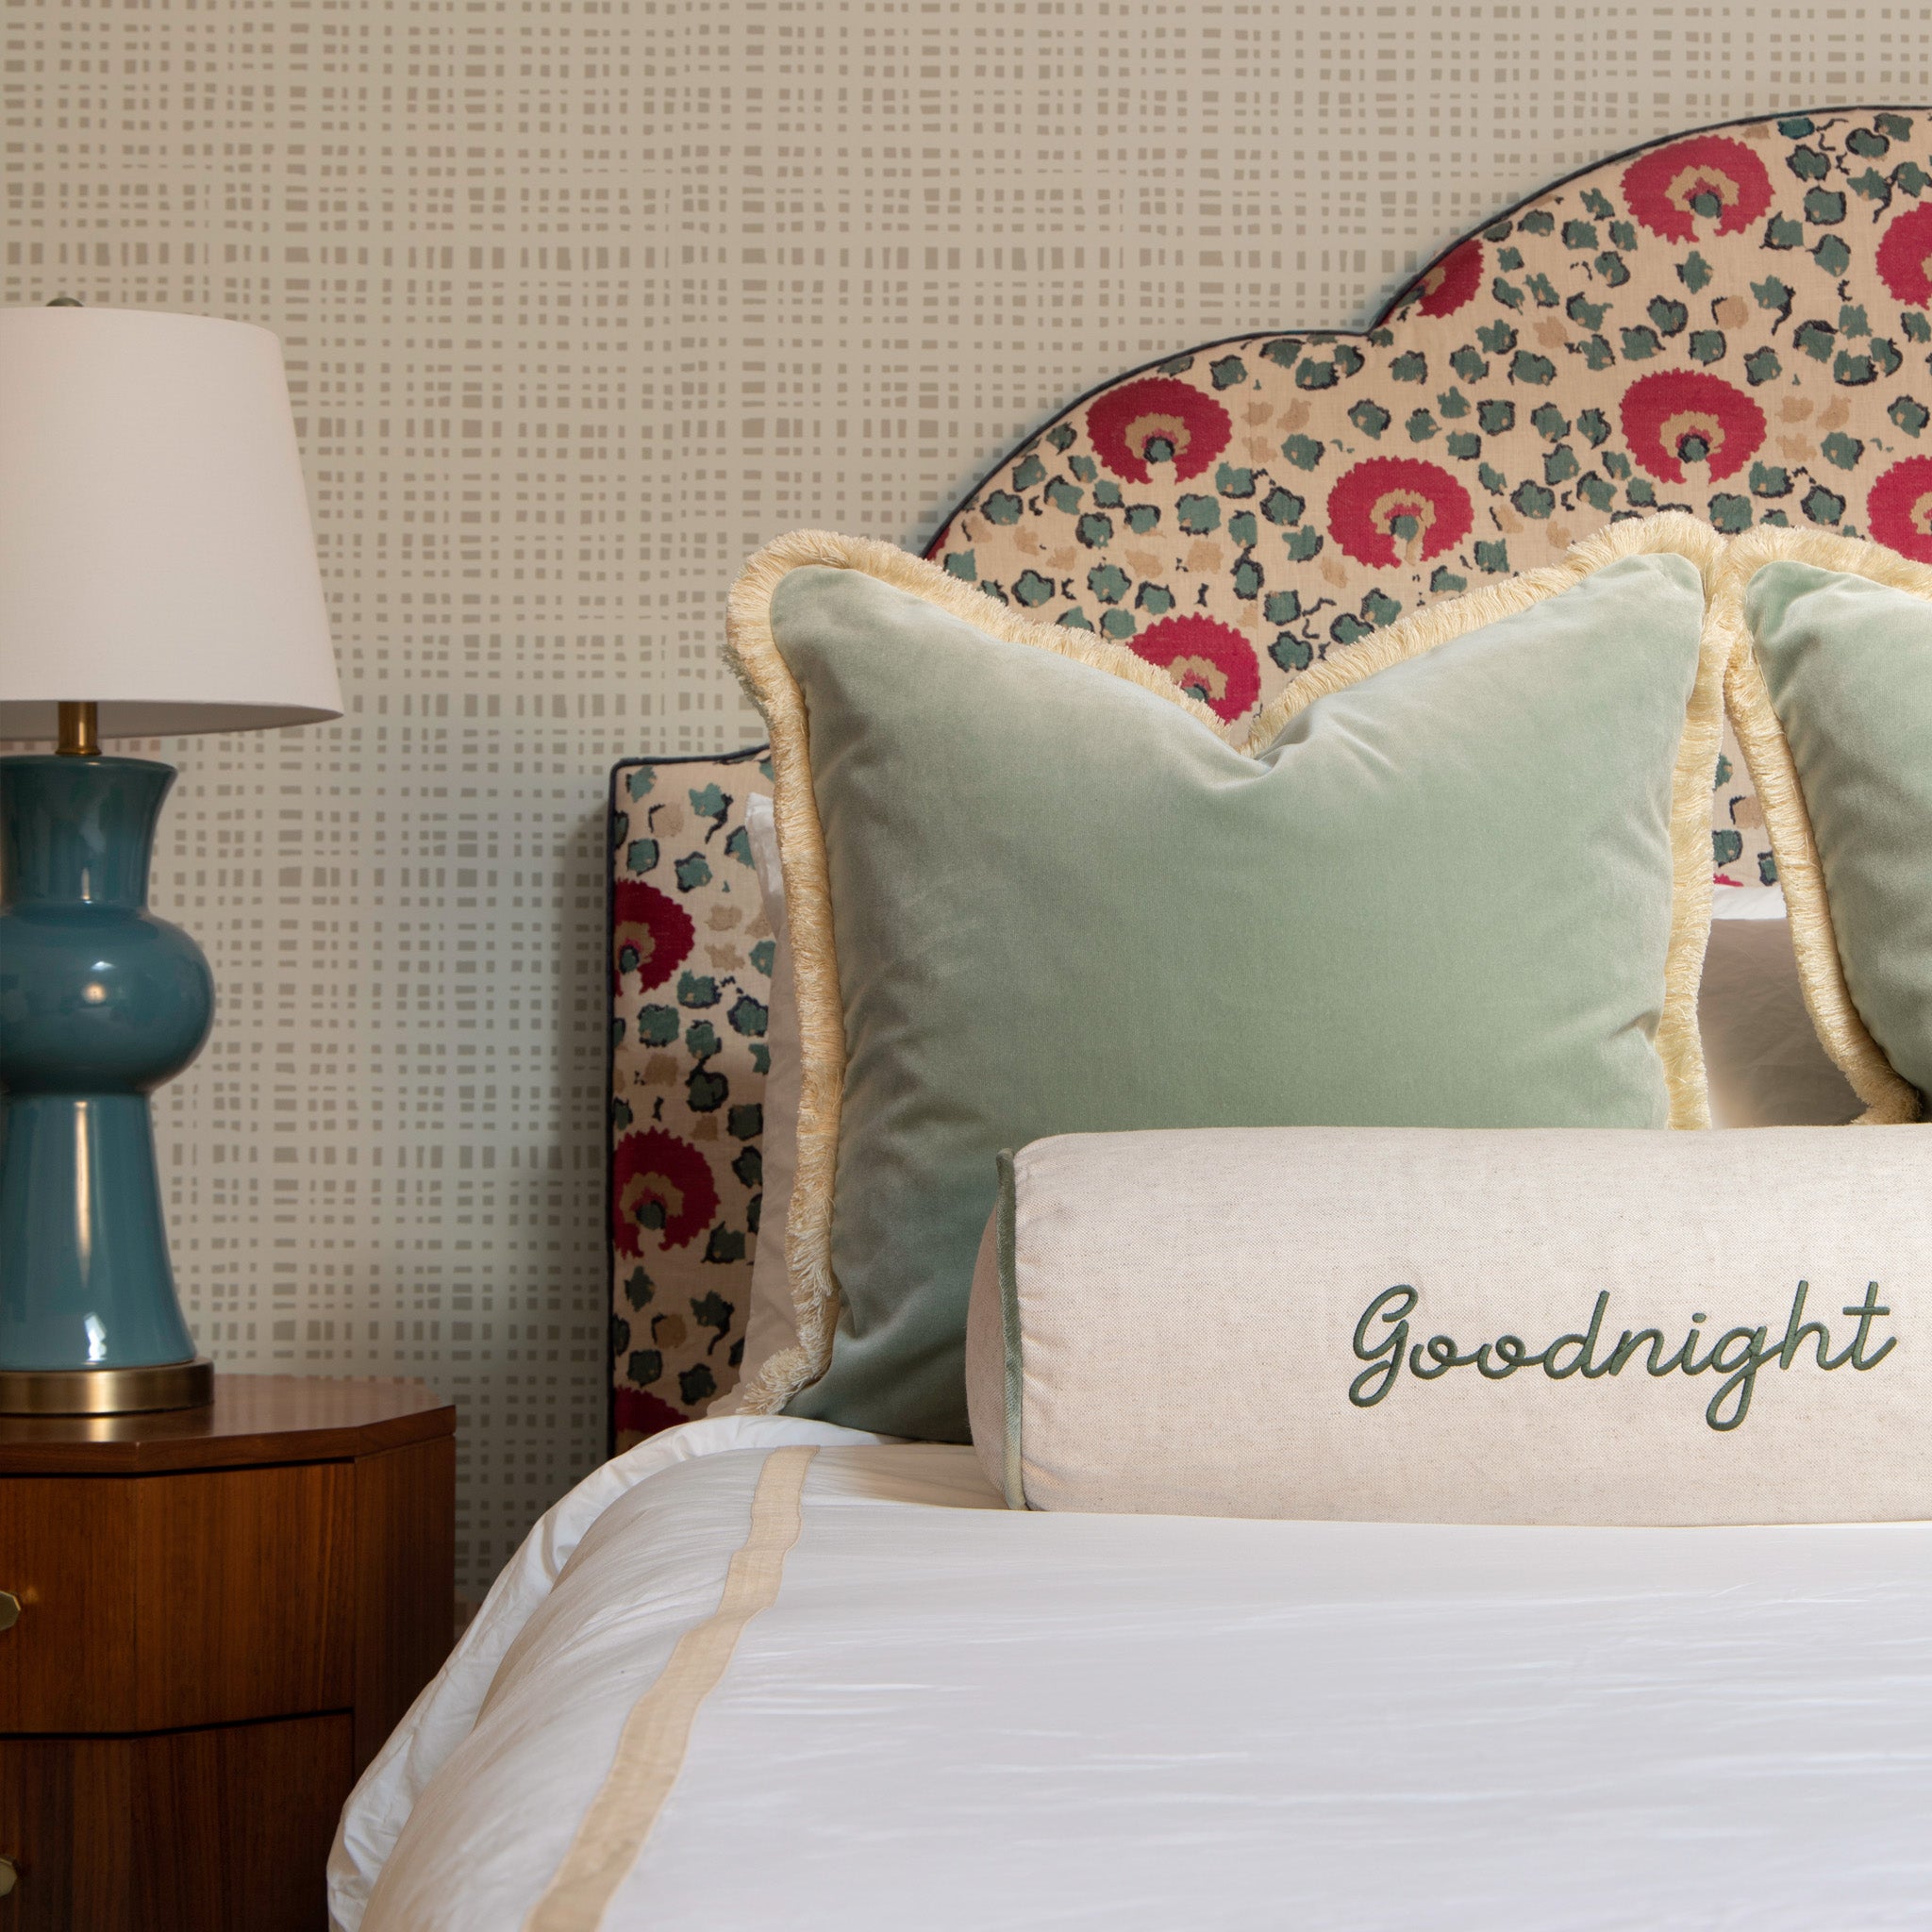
[1459, 878]
[1832, 684]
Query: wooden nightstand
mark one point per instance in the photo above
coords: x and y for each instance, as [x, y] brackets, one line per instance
[222, 1613]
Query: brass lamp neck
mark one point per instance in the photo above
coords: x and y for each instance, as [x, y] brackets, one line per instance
[80, 731]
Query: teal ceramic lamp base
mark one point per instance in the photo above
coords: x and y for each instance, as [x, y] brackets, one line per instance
[100, 1003]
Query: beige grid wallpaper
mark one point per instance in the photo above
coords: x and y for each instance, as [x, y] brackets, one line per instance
[584, 299]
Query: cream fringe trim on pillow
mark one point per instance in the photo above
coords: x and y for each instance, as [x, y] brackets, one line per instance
[753, 656]
[1821, 973]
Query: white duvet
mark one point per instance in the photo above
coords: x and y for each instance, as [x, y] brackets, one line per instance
[943, 1716]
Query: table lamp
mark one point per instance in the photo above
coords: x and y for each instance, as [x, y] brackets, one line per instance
[157, 576]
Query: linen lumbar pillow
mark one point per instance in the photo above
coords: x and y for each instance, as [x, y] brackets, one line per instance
[1436, 1326]
[1458, 876]
[1831, 684]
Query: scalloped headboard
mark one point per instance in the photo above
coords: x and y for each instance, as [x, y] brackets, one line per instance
[1734, 322]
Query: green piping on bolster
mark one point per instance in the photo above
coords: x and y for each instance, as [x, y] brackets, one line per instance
[1010, 1323]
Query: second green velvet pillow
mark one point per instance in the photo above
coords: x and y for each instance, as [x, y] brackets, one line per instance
[1831, 687]
[1459, 878]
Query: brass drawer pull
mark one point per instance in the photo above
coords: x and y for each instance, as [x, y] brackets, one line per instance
[10, 1609]
[10, 1876]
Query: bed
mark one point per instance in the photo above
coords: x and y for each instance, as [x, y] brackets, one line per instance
[764, 1671]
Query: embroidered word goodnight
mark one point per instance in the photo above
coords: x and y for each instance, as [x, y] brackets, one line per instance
[1736, 1355]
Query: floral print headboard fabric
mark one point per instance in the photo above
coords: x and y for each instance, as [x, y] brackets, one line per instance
[1736, 323]
[691, 989]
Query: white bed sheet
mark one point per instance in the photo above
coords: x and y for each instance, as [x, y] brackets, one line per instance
[952, 1716]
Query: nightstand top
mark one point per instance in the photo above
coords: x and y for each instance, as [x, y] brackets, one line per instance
[253, 1420]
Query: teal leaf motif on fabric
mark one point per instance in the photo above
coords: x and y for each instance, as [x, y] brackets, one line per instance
[748, 1016]
[712, 1311]
[1815, 337]
[1832, 255]
[1910, 414]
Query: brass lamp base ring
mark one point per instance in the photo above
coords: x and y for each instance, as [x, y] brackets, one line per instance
[108, 1391]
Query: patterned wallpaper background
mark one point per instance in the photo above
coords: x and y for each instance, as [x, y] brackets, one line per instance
[583, 300]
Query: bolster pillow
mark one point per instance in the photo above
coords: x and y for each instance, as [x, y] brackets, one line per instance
[1424, 1326]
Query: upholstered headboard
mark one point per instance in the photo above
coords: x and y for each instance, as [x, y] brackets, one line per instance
[1734, 322]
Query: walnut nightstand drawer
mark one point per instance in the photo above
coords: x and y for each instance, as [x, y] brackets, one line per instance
[209, 1620]
[107, 1832]
[154, 1601]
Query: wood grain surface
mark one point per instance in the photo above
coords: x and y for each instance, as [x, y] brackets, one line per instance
[223, 1616]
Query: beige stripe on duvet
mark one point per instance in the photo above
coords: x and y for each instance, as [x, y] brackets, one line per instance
[650, 1751]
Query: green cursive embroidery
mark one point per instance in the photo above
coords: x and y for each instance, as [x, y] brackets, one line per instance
[1736, 1355]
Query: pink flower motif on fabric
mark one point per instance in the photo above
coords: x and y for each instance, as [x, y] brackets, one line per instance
[1210, 660]
[662, 1186]
[1157, 419]
[1905, 256]
[1391, 511]
[1706, 185]
[650, 934]
[1681, 416]
[1900, 508]
[1453, 282]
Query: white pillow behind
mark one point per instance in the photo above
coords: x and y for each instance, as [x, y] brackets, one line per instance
[1763, 1056]
[1746, 902]
[772, 1323]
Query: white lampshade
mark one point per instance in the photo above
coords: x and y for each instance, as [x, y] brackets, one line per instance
[155, 553]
